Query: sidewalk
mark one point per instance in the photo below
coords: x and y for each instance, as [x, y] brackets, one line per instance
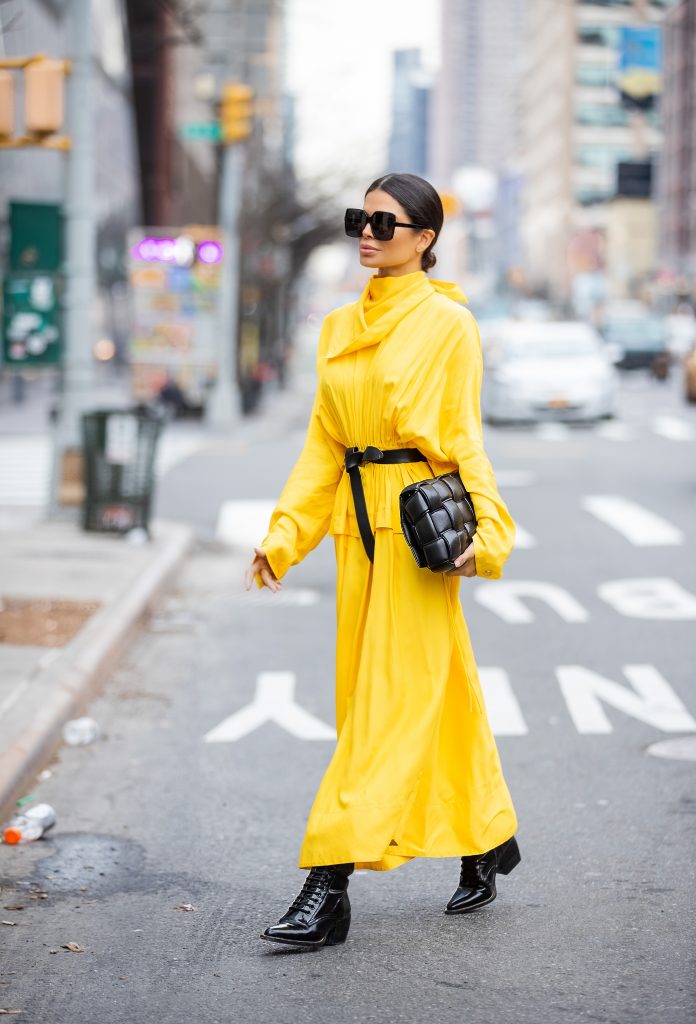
[71, 602]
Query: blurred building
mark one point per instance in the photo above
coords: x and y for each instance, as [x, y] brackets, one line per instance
[474, 132]
[473, 120]
[677, 165]
[579, 215]
[408, 141]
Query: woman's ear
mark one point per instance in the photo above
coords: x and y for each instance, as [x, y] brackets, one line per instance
[425, 239]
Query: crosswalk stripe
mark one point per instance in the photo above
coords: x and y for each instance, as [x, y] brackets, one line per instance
[615, 430]
[552, 431]
[674, 428]
[515, 478]
[523, 539]
[244, 523]
[638, 525]
[25, 466]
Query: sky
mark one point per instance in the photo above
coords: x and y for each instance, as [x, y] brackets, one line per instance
[339, 68]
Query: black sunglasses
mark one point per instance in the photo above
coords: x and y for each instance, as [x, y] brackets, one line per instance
[382, 223]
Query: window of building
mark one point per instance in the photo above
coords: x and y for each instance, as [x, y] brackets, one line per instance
[598, 35]
[608, 3]
[600, 156]
[587, 196]
[594, 74]
[600, 114]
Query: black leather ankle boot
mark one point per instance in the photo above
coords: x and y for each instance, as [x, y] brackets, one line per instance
[320, 914]
[477, 877]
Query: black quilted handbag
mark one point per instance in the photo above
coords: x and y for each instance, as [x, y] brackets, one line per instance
[438, 520]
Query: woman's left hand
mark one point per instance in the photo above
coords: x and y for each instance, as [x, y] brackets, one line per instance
[466, 563]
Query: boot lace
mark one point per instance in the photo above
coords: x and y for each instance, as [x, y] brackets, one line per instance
[315, 885]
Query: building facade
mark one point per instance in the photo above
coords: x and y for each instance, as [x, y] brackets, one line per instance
[677, 165]
[408, 141]
[474, 120]
[576, 133]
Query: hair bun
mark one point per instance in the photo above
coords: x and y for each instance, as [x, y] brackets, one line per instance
[428, 260]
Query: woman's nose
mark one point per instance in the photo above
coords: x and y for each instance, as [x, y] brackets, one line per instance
[368, 227]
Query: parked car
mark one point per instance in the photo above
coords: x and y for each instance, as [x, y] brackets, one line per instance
[558, 370]
[642, 340]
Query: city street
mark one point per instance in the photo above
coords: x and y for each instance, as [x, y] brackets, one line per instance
[178, 831]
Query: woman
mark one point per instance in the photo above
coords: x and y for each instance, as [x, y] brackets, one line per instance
[416, 771]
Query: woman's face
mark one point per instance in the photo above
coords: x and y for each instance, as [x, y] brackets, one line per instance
[404, 250]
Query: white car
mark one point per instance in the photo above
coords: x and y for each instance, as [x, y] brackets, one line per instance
[554, 370]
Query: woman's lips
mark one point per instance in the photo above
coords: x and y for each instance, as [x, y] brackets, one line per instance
[368, 248]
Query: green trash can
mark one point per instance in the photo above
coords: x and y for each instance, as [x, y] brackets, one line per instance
[119, 468]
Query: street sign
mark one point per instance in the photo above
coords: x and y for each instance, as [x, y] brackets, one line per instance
[200, 131]
[36, 236]
[30, 320]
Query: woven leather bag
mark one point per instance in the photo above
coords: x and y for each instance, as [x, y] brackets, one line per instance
[438, 520]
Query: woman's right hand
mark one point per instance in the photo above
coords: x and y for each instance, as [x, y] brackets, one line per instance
[259, 564]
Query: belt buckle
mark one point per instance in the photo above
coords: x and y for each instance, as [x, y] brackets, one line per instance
[372, 458]
[350, 459]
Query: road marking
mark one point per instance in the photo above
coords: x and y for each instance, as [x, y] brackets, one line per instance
[674, 428]
[614, 430]
[523, 539]
[503, 598]
[637, 524]
[682, 749]
[244, 523]
[649, 598]
[504, 713]
[301, 597]
[274, 701]
[652, 700]
[515, 478]
[25, 470]
[174, 448]
[26, 463]
[552, 431]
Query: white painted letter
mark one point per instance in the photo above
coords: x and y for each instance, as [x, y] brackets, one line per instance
[649, 598]
[639, 525]
[274, 702]
[652, 699]
[503, 598]
[502, 708]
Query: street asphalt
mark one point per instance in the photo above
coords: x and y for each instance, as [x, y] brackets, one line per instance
[586, 649]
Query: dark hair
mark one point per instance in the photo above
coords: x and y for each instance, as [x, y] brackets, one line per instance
[420, 201]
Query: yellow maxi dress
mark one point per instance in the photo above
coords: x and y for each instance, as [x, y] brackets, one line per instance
[415, 771]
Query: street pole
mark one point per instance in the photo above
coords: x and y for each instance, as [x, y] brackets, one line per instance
[224, 44]
[223, 408]
[80, 245]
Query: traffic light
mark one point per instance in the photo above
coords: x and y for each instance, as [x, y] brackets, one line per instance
[450, 204]
[43, 97]
[236, 112]
[7, 114]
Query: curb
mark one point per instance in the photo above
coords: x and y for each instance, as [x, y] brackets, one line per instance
[76, 673]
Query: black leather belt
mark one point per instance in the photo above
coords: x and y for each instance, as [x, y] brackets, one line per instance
[354, 460]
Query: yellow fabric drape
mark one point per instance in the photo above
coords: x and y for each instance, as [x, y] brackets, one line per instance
[416, 770]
